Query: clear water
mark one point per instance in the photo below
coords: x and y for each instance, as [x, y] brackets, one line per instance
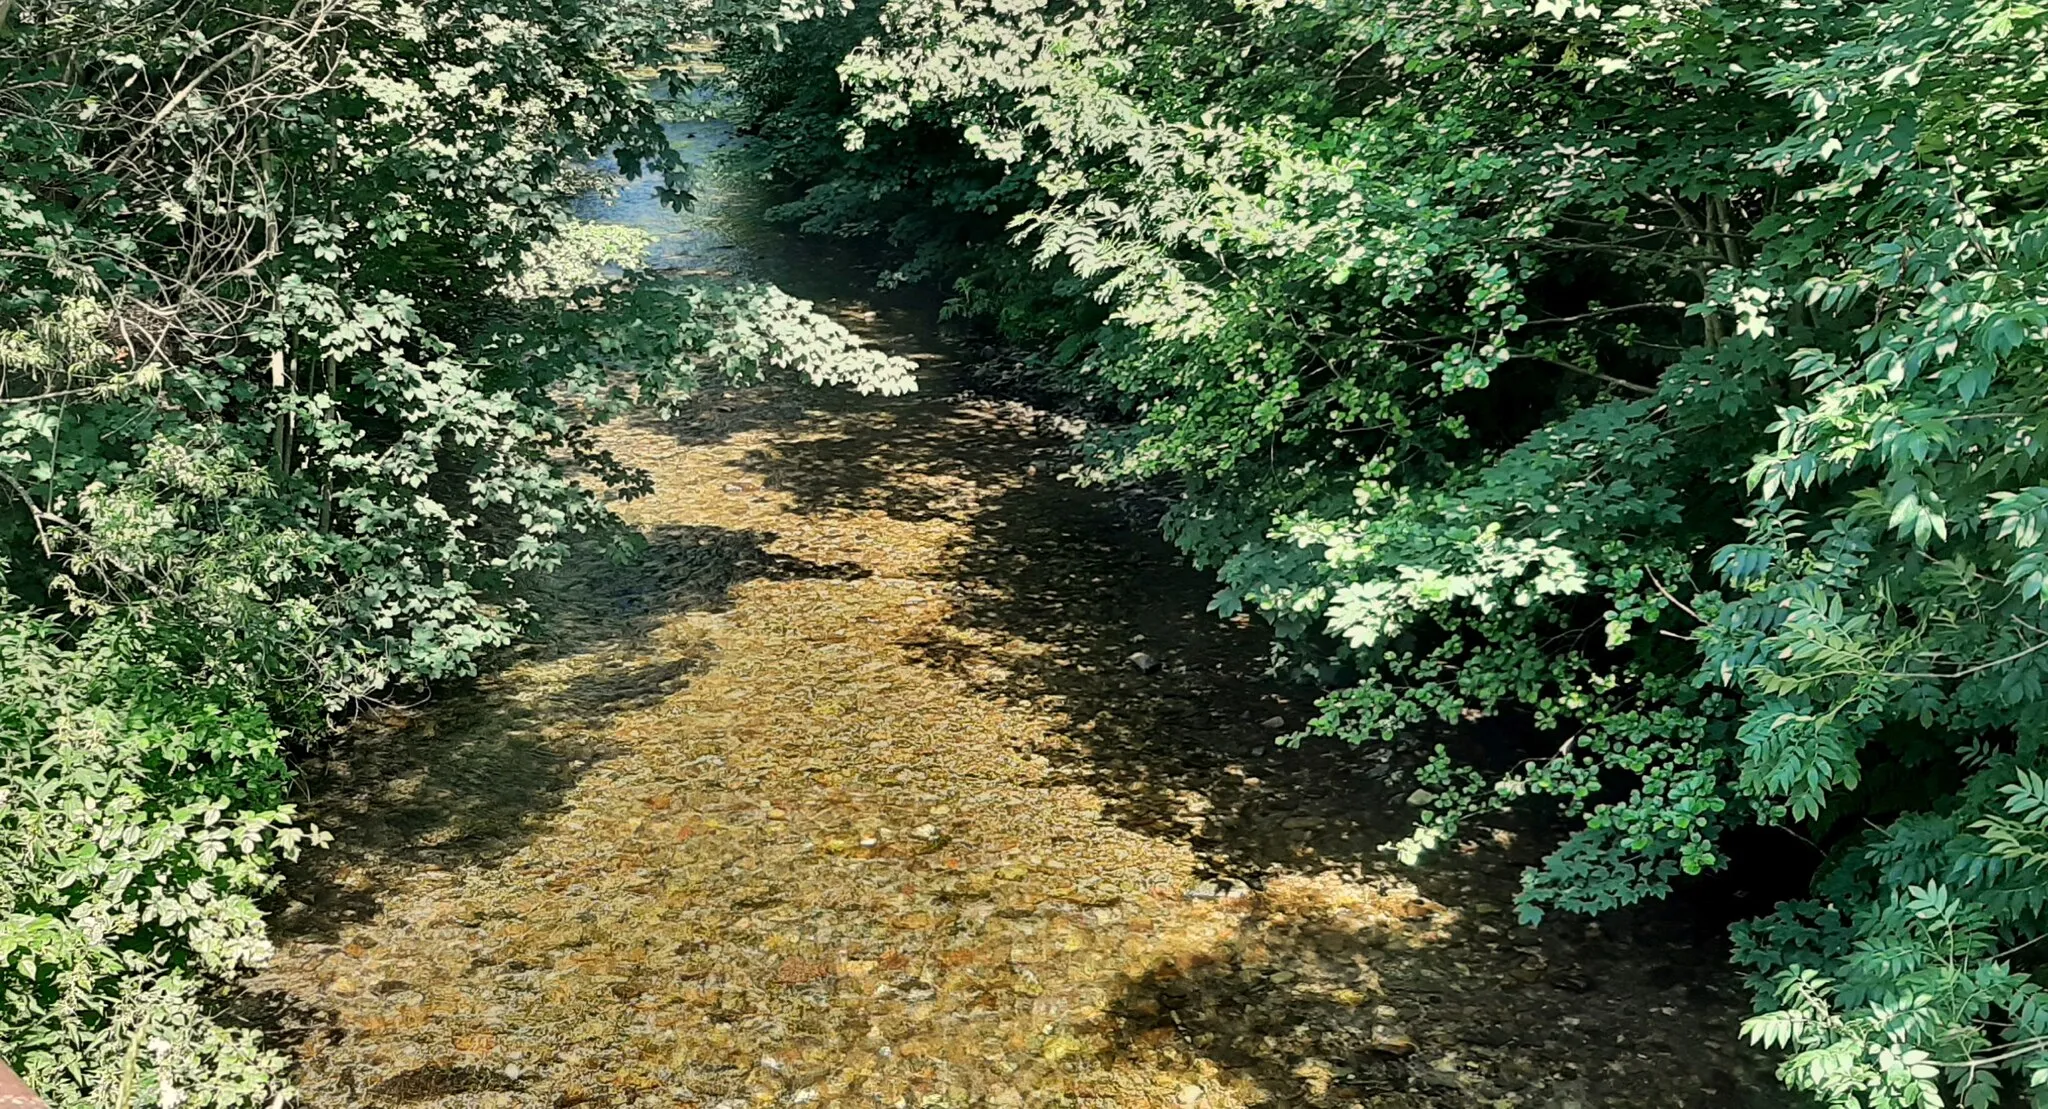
[699, 239]
[846, 794]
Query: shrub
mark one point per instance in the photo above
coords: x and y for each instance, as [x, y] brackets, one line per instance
[1666, 377]
[140, 813]
[300, 357]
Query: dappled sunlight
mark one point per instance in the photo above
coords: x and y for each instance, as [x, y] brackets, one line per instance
[850, 792]
[877, 819]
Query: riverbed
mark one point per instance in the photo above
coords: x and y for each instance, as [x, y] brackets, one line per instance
[901, 772]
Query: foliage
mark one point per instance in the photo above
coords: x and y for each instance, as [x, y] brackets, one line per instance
[142, 810]
[1663, 377]
[300, 359]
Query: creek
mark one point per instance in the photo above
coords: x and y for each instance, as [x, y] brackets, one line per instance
[849, 792]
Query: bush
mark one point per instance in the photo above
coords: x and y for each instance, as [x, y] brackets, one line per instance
[300, 358]
[140, 814]
[1664, 377]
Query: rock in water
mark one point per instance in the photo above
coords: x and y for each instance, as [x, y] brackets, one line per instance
[1388, 1040]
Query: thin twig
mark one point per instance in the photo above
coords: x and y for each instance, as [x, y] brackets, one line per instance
[1682, 606]
[1617, 382]
[35, 514]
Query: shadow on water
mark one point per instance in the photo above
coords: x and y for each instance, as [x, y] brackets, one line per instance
[1437, 1000]
[466, 780]
[1637, 1010]
[1297, 1044]
[436, 1081]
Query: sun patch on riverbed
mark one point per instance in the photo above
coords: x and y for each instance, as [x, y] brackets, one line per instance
[793, 861]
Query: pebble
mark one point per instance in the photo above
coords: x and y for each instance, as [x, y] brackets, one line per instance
[1388, 1040]
[1061, 1047]
[1571, 981]
[1144, 663]
[1276, 722]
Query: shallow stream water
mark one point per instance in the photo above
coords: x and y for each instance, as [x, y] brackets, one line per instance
[848, 793]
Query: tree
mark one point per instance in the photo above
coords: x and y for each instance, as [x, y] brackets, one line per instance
[300, 356]
[1664, 376]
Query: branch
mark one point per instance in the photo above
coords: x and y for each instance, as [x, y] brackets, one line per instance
[2012, 1051]
[192, 86]
[1983, 666]
[1682, 606]
[35, 515]
[55, 395]
[1598, 312]
[1617, 382]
